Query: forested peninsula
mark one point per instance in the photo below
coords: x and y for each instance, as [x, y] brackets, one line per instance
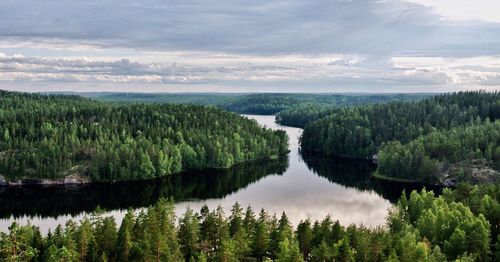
[52, 137]
[442, 139]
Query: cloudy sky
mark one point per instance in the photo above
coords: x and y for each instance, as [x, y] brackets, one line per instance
[250, 46]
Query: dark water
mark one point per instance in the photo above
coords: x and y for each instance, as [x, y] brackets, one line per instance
[303, 185]
[52, 201]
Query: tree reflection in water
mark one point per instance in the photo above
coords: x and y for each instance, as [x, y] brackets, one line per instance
[53, 201]
[356, 173]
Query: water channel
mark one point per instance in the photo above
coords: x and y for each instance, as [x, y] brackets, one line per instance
[304, 185]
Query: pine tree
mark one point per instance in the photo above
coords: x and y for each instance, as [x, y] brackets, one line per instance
[124, 237]
[260, 244]
[304, 237]
[189, 232]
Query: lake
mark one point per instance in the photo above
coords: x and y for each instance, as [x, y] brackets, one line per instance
[304, 185]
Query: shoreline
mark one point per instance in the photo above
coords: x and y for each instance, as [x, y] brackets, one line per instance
[76, 180]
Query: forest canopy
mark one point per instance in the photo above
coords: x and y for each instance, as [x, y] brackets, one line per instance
[359, 131]
[53, 136]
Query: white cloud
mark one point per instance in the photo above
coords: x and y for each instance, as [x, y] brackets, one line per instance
[487, 10]
[322, 73]
[475, 70]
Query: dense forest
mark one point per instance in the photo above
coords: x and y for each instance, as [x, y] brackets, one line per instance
[453, 152]
[261, 104]
[264, 104]
[302, 114]
[438, 140]
[461, 224]
[359, 131]
[53, 136]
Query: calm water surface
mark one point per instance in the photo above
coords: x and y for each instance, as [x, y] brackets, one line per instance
[302, 185]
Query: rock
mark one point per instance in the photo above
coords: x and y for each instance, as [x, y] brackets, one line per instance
[49, 182]
[68, 180]
[75, 179]
[475, 171]
[18, 182]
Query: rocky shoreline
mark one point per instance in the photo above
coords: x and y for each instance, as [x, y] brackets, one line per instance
[68, 180]
[473, 171]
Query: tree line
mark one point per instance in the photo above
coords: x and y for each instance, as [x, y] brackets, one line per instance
[261, 104]
[461, 224]
[359, 131]
[288, 107]
[52, 136]
[305, 113]
[301, 115]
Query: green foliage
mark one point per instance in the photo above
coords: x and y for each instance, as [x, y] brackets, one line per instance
[263, 104]
[21, 244]
[297, 109]
[448, 223]
[189, 231]
[422, 159]
[360, 131]
[46, 137]
[421, 227]
[324, 105]
[483, 200]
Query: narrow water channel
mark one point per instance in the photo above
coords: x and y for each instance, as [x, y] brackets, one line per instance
[302, 185]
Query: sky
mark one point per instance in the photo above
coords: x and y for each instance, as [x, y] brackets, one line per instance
[250, 46]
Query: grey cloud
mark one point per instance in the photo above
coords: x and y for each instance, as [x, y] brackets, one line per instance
[262, 27]
[349, 71]
[18, 67]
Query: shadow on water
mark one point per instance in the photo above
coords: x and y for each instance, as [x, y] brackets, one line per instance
[53, 201]
[356, 173]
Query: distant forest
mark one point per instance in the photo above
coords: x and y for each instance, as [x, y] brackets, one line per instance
[260, 104]
[53, 136]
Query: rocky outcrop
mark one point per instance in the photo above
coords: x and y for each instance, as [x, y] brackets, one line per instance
[76, 179]
[68, 180]
[471, 171]
[73, 176]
